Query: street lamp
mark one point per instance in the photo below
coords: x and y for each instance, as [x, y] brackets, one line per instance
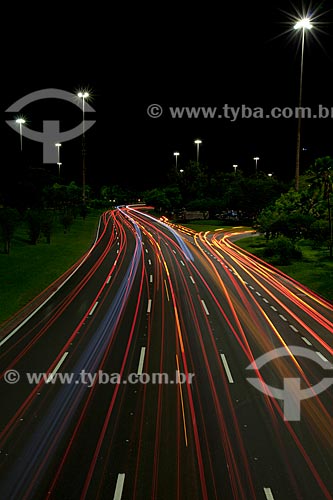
[302, 24]
[58, 146]
[235, 167]
[176, 154]
[198, 142]
[83, 96]
[20, 121]
[256, 158]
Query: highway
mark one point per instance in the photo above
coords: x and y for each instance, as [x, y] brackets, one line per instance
[142, 362]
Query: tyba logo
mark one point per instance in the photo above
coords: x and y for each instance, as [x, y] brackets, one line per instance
[51, 128]
[291, 394]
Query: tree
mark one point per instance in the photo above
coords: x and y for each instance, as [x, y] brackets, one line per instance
[193, 181]
[322, 186]
[286, 217]
[9, 220]
[34, 220]
[47, 223]
[157, 198]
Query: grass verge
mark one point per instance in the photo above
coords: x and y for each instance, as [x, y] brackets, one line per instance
[315, 270]
[29, 269]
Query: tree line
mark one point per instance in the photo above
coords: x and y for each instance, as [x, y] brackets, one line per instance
[270, 205]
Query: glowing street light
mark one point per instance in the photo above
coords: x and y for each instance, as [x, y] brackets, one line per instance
[235, 168]
[303, 24]
[198, 142]
[58, 146]
[176, 154]
[20, 121]
[256, 158]
[83, 96]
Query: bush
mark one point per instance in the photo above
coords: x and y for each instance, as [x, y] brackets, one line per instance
[282, 251]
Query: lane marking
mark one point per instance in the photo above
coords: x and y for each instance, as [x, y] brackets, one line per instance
[274, 308]
[258, 293]
[306, 340]
[146, 250]
[149, 262]
[266, 301]
[166, 289]
[93, 308]
[321, 356]
[268, 494]
[252, 288]
[282, 317]
[205, 307]
[141, 360]
[149, 305]
[293, 328]
[192, 280]
[119, 487]
[151, 278]
[56, 368]
[182, 263]
[227, 369]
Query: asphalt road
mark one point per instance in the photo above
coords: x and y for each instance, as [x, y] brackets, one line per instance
[149, 307]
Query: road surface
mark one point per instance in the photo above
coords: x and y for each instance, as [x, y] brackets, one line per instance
[132, 381]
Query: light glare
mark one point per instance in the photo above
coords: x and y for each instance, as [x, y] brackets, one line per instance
[304, 23]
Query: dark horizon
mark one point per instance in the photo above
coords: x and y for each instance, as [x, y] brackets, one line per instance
[245, 57]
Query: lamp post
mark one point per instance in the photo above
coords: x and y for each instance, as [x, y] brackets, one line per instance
[256, 158]
[198, 142]
[58, 146]
[20, 121]
[83, 96]
[302, 24]
[59, 165]
[176, 154]
[235, 168]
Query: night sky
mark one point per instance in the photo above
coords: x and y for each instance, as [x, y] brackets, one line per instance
[198, 56]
